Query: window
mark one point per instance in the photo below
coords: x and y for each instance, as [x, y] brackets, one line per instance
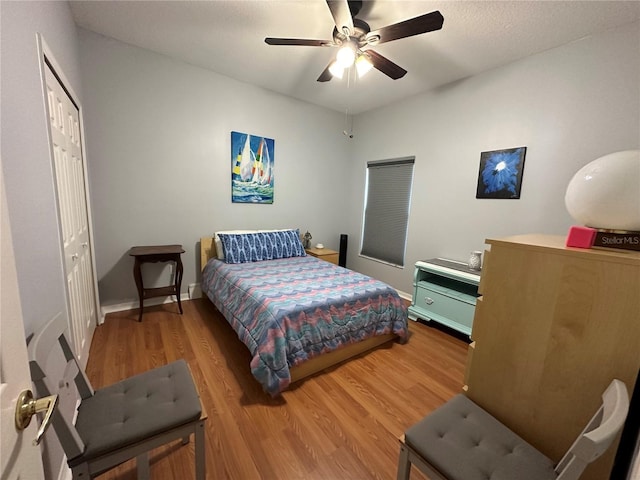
[386, 211]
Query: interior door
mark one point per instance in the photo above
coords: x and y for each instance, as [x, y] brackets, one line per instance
[18, 457]
[64, 127]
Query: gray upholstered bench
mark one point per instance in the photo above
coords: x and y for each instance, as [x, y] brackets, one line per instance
[136, 409]
[461, 441]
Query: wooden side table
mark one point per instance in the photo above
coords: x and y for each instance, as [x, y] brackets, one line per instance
[325, 254]
[153, 254]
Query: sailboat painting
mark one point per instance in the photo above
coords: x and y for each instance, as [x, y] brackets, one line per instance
[252, 159]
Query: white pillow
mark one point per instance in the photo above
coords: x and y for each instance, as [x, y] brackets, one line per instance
[218, 242]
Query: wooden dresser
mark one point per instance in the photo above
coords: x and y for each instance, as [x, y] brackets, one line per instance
[551, 329]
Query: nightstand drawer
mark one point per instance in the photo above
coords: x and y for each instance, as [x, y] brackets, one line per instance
[443, 303]
[325, 254]
[331, 258]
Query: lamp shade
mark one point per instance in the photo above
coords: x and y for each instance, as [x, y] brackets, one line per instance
[346, 56]
[605, 193]
[363, 65]
[336, 70]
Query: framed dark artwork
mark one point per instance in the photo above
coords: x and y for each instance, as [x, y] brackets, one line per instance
[252, 162]
[500, 173]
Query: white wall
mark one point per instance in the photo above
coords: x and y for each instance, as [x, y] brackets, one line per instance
[158, 141]
[27, 165]
[568, 106]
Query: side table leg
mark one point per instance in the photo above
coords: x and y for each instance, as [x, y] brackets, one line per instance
[179, 281]
[137, 275]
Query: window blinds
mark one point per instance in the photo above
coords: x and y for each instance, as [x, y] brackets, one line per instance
[386, 213]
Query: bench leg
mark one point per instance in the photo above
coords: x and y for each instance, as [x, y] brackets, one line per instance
[142, 464]
[199, 451]
[404, 466]
[80, 472]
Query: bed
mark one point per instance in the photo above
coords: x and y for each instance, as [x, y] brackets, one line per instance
[298, 315]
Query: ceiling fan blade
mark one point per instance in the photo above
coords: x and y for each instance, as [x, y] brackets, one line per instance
[385, 65]
[341, 14]
[408, 28]
[326, 75]
[299, 41]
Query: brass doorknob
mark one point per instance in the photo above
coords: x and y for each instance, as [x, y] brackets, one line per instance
[27, 406]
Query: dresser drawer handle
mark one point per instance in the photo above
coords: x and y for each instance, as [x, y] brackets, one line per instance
[428, 300]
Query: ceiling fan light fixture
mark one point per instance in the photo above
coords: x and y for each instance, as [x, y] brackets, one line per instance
[336, 70]
[363, 65]
[346, 56]
[351, 34]
[373, 39]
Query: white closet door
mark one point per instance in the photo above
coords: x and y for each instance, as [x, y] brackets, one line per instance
[64, 126]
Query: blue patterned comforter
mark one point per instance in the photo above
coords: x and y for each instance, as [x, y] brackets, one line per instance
[289, 310]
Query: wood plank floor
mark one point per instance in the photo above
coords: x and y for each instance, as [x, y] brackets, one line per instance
[343, 423]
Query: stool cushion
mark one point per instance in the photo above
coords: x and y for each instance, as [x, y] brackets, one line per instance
[136, 408]
[464, 442]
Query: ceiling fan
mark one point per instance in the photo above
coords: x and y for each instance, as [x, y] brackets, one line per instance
[355, 39]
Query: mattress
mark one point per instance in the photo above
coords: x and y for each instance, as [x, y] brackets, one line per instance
[289, 310]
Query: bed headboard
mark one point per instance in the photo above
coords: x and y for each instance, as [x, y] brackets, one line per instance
[207, 251]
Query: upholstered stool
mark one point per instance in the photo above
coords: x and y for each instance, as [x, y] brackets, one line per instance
[464, 442]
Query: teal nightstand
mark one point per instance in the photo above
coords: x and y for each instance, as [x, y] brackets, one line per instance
[445, 291]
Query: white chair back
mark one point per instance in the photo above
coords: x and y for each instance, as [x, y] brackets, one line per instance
[599, 433]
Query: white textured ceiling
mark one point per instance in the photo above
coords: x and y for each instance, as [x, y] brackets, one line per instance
[227, 37]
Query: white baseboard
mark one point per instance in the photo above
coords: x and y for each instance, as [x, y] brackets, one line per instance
[404, 295]
[131, 304]
[195, 291]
